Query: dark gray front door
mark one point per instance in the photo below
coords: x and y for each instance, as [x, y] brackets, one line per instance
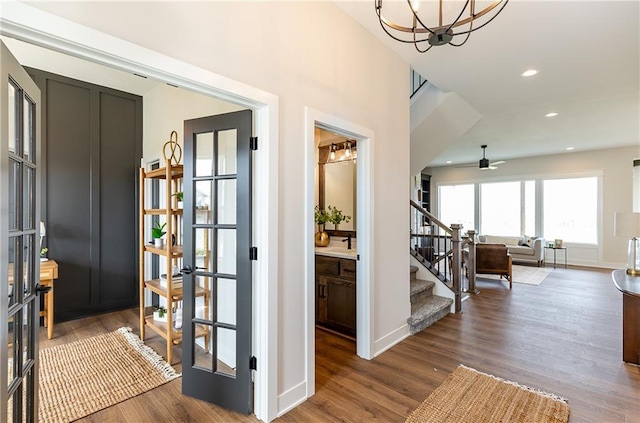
[19, 241]
[217, 244]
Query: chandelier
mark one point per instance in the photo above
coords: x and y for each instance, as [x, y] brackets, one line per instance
[464, 17]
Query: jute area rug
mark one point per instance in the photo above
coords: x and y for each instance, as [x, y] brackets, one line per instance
[85, 376]
[524, 274]
[470, 396]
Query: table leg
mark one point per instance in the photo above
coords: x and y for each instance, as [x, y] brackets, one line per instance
[49, 308]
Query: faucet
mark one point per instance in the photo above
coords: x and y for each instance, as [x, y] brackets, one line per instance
[348, 239]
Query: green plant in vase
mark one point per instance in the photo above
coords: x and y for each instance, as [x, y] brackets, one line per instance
[337, 217]
[157, 232]
[180, 197]
[321, 218]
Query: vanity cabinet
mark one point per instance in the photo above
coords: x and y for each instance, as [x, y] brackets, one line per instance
[336, 294]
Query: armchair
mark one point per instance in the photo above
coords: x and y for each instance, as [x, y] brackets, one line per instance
[494, 259]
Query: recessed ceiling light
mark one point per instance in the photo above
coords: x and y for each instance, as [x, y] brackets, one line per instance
[552, 114]
[529, 72]
[449, 162]
[569, 148]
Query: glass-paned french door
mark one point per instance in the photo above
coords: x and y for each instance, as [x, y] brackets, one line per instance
[19, 241]
[218, 285]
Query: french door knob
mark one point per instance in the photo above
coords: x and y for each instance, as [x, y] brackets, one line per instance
[42, 289]
[187, 270]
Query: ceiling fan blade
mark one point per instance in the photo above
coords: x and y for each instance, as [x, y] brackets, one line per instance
[499, 162]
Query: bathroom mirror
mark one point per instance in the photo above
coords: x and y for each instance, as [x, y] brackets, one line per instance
[337, 182]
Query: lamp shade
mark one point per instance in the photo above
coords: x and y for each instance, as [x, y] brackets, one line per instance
[626, 224]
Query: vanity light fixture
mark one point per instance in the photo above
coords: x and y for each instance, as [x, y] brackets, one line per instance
[332, 154]
[347, 149]
[439, 24]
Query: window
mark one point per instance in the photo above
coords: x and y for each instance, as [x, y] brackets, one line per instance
[500, 208]
[571, 209]
[456, 205]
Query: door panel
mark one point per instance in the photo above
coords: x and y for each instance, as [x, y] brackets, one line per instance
[19, 250]
[217, 228]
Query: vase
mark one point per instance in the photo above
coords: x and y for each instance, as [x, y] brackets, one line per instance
[321, 237]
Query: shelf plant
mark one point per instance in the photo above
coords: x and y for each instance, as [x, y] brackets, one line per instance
[157, 232]
[336, 216]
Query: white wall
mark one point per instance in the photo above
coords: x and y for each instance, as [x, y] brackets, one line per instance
[165, 109]
[310, 54]
[616, 167]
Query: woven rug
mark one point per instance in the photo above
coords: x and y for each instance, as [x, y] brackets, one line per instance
[85, 376]
[470, 396]
[524, 274]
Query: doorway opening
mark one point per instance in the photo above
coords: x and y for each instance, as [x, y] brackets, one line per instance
[320, 129]
[98, 48]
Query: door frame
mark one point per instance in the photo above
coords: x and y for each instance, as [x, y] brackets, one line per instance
[364, 235]
[35, 26]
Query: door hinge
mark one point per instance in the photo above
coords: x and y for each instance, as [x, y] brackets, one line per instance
[253, 363]
[253, 253]
[253, 143]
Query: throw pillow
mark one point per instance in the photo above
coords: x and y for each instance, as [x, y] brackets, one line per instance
[529, 241]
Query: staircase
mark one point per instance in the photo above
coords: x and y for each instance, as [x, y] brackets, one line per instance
[426, 308]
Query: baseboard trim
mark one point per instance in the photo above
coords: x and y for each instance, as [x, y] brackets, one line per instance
[391, 339]
[292, 398]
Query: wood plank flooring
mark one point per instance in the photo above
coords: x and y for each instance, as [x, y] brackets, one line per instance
[564, 337]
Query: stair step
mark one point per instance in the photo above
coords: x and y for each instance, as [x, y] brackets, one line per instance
[431, 310]
[413, 271]
[420, 285]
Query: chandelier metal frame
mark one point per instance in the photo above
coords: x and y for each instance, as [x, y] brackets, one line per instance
[443, 33]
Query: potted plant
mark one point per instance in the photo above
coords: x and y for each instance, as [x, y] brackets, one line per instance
[321, 218]
[160, 314]
[157, 232]
[336, 217]
[180, 197]
[43, 254]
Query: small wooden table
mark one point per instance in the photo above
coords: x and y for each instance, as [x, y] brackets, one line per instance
[48, 272]
[630, 288]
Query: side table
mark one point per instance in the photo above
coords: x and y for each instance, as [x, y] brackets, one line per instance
[554, 255]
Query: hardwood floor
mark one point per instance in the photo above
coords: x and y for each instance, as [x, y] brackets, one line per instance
[564, 337]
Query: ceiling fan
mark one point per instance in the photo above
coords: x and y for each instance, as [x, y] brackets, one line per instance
[484, 163]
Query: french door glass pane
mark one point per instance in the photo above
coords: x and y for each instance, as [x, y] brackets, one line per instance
[226, 201]
[226, 296]
[226, 251]
[13, 115]
[14, 197]
[29, 198]
[203, 195]
[27, 321]
[202, 248]
[203, 298]
[27, 266]
[28, 135]
[226, 351]
[227, 156]
[14, 283]
[11, 349]
[204, 154]
[203, 358]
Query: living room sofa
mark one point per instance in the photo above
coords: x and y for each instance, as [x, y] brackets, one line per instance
[522, 248]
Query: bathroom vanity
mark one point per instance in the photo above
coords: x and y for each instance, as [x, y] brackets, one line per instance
[336, 291]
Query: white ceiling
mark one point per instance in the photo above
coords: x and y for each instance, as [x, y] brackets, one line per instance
[588, 57]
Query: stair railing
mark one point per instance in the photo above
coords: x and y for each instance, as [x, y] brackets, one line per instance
[439, 248]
